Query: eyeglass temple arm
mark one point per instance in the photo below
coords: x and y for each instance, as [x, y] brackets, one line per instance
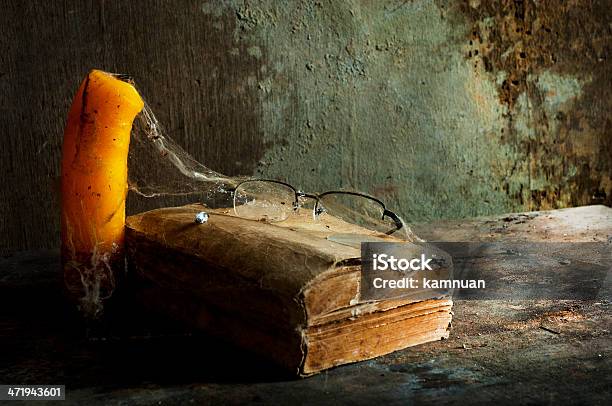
[398, 222]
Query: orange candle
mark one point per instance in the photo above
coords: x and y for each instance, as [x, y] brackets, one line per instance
[94, 187]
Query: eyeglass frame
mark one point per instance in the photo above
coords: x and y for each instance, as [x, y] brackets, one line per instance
[399, 224]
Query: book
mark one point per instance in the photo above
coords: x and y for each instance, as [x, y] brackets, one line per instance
[285, 290]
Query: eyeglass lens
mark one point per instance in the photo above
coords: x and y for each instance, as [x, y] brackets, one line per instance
[356, 209]
[264, 200]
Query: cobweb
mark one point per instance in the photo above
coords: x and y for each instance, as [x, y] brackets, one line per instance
[158, 166]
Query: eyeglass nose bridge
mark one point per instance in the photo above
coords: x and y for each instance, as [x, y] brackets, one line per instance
[317, 209]
[299, 194]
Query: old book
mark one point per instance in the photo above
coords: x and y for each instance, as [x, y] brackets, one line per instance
[283, 290]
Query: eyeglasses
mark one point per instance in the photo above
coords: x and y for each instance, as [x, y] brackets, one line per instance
[274, 201]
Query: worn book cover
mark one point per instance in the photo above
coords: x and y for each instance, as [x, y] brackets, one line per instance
[288, 291]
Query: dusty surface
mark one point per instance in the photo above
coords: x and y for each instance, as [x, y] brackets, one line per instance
[507, 352]
[444, 109]
[578, 224]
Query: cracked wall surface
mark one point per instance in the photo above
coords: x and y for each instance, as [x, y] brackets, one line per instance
[444, 109]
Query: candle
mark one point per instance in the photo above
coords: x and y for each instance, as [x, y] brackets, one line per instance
[94, 187]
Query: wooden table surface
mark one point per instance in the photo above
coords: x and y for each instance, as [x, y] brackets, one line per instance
[502, 351]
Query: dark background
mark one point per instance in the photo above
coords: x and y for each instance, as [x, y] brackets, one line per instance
[444, 109]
